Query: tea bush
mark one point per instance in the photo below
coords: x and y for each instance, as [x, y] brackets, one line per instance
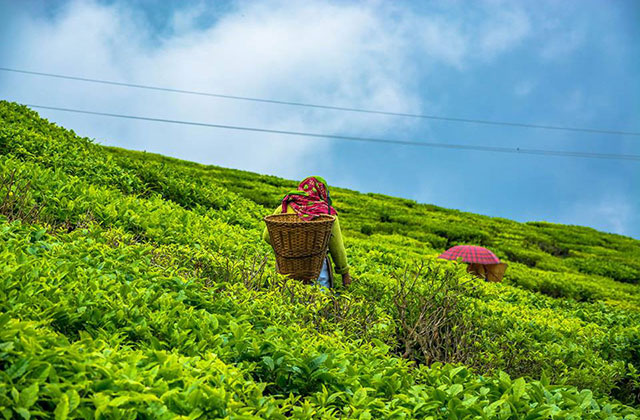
[136, 286]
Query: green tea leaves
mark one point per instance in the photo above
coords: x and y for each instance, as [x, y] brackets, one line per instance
[28, 396]
[62, 409]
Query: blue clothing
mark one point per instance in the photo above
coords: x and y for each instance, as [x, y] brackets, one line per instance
[323, 278]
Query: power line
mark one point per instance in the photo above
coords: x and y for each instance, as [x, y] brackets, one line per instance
[355, 138]
[328, 107]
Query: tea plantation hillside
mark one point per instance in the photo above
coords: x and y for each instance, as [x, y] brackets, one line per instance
[133, 285]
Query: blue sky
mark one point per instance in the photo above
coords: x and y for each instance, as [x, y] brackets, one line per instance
[572, 63]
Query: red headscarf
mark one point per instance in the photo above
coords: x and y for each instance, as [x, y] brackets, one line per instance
[310, 200]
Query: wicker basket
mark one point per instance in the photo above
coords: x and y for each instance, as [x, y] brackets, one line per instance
[300, 246]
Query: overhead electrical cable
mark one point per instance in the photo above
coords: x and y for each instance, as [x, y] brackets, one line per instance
[326, 107]
[356, 138]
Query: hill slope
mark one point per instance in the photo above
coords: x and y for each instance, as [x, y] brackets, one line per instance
[135, 285]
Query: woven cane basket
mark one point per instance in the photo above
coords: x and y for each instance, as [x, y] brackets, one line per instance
[300, 246]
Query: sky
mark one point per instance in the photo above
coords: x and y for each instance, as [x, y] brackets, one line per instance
[565, 63]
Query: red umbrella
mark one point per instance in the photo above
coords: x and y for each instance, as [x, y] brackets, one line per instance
[470, 254]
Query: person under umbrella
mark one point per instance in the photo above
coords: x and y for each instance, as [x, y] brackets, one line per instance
[481, 262]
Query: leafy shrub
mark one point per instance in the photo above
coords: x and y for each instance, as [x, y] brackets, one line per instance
[385, 217]
[15, 204]
[553, 249]
[147, 266]
[428, 307]
[522, 255]
[611, 268]
[367, 230]
[460, 234]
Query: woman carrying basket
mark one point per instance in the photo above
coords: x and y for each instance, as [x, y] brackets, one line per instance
[312, 199]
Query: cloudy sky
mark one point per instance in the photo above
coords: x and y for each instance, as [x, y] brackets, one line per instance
[567, 63]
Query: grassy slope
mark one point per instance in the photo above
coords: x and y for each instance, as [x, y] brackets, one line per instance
[143, 263]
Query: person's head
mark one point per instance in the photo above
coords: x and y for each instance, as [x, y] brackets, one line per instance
[316, 186]
[310, 199]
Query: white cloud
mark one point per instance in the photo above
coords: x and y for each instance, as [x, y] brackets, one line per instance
[353, 54]
[505, 30]
[612, 213]
[462, 37]
[313, 52]
[442, 40]
[524, 88]
[562, 42]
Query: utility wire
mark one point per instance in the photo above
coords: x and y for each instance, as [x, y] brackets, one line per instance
[355, 138]
[328, 107]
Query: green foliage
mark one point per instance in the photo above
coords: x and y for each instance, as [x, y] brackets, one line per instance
[613, 268]
[134, 285]
[522, 255]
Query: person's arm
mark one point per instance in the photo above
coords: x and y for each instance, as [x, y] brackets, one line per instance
[338, 253]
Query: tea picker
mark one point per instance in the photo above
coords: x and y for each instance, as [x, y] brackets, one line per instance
[481, 262]
[305, 234]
